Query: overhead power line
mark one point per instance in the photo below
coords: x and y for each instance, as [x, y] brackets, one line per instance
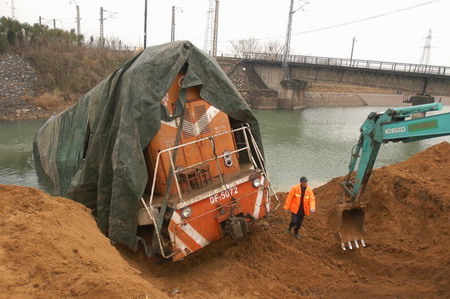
[368, 18]
[354, 21]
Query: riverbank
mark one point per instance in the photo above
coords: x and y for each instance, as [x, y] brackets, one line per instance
[333, 99]
[20, 98]
[40, 80]
[21, 95]
[24, 109]
[27, 94]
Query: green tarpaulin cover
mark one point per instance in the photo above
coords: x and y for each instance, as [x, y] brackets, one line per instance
[93, 151]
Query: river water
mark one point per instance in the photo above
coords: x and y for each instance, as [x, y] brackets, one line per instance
[16, 152]
[315, 142]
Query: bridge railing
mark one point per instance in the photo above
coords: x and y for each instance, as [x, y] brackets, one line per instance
[353, 63]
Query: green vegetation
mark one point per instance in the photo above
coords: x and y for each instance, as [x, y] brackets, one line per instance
[24, 34]
[3, 43]
[73, 69]
[67, 65]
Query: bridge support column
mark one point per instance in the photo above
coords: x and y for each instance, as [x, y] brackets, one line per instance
[292, 94]
[264, 99]
[419, 100]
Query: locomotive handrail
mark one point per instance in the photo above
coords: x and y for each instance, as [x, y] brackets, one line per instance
[158, 158]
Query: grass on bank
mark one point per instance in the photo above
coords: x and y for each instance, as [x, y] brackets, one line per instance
[67, 66]
[66, 72]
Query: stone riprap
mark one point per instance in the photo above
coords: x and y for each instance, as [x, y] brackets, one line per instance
[18, 81]
[333, 99]
[17, 77]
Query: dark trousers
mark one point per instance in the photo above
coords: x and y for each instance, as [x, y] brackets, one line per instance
[296, 221]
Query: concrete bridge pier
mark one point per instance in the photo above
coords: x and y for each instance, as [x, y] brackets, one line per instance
[268, 90]
[419, 100]
[292, 94]
[286, 93]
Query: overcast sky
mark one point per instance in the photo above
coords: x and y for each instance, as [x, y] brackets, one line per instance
[395, 36]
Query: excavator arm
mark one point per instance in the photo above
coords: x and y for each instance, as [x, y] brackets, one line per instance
[393, 125]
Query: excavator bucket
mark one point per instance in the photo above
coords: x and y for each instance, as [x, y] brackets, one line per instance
[347, 222]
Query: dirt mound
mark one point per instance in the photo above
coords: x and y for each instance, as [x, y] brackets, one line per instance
[51, 247]
[414, 198]
[407, 219]
[407, 256]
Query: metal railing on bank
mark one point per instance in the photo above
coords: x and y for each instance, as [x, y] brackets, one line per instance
[352, 63]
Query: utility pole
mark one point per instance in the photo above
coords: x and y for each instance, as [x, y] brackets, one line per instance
[13, 10]
[172, 31]
[287, 46]
[287, 43]
[209, 24]
[40, 21]
[351, 53]
[78, 21]
[145, 25]
[78, 16]
[101, 27]
[54, 23]
[216, 29]
[425, 58]
[102, 38]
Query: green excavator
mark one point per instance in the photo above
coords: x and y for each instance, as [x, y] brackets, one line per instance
[405, 124]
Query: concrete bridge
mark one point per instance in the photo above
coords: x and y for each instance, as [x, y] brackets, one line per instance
[262, 78]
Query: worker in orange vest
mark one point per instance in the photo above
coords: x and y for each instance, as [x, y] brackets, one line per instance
[300, 201]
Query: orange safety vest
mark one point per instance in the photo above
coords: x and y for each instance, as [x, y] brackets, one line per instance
[293, 200]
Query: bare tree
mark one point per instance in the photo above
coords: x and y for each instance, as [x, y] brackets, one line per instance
[245, 45]
[273, 47]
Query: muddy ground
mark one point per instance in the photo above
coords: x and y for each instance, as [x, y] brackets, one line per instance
[51, 247]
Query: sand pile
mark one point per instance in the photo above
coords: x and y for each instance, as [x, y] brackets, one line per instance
[51, 247]
[407, 219]
[407, 254]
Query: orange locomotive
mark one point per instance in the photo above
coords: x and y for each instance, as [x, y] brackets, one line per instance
[218, 183]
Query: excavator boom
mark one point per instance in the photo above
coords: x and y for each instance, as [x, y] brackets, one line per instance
[396, 124]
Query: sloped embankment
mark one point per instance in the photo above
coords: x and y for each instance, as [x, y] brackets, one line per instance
[50, 247]
[407, 254]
